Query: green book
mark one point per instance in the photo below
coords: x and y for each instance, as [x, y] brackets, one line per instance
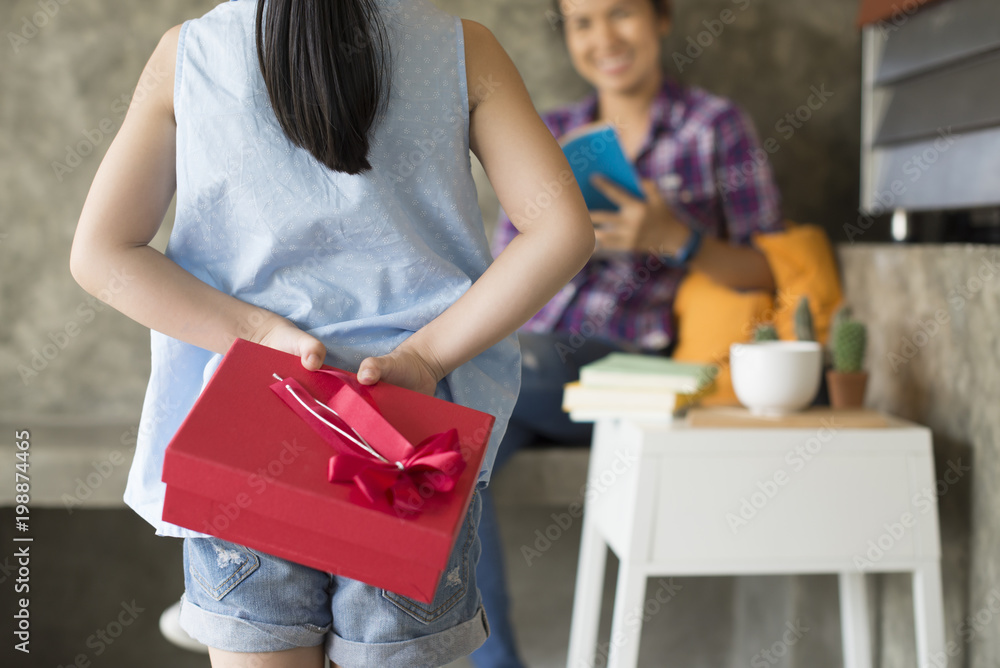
[631, 370]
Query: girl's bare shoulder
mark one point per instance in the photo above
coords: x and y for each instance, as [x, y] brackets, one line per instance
[161, 67]
[487, 64]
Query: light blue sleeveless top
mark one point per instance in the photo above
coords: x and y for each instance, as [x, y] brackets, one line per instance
[360, 262]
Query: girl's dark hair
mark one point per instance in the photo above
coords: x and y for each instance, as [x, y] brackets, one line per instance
[662, 7]
[325, 65]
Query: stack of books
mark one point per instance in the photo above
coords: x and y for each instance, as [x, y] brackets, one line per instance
[644, 387]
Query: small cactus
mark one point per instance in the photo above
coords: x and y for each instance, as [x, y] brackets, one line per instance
[848, 341]
[804, 322]
[843, 314]
[765, 332]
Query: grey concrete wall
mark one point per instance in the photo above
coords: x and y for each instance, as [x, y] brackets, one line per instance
[934, 357]
[62, 90]
[81, 362]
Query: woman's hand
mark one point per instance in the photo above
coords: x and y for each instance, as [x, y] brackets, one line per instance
[401, 367]
[645, 226]
[279, 333]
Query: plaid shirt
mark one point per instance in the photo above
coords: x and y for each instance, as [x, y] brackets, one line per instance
[701, 153]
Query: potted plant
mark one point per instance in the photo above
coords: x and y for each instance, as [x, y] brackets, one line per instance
[847, 380]
[765, 332]
[804, 321]
[773, 377]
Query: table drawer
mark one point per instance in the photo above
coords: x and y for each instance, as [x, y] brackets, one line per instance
[862, 505]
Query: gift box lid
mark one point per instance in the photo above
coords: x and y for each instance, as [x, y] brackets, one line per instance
[242, 445]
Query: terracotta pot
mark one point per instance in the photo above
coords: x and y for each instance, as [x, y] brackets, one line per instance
[847, 390]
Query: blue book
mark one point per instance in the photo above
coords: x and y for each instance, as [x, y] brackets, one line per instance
[598, 151]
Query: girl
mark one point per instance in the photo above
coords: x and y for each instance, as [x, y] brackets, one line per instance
[325, 207]
[701, 206]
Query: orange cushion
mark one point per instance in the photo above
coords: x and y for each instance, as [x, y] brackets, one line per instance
[710, 317]
[802, 262]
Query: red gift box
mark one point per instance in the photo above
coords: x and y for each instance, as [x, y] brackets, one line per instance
[246, 467]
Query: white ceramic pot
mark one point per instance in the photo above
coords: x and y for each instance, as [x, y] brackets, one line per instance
[776, 377]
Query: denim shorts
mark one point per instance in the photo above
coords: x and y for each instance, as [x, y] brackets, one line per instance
[242, 600]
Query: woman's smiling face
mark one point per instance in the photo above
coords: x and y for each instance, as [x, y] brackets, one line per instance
[615, 44]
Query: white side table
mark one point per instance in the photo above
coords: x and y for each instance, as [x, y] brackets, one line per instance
[676, 500]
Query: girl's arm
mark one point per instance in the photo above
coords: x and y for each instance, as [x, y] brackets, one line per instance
[123, 211]
[536, 188]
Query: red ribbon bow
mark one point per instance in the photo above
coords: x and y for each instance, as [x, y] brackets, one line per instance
[423, 473]
[397, 473]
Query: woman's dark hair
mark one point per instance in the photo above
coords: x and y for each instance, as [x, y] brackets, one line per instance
[326, 67]
[662, 8]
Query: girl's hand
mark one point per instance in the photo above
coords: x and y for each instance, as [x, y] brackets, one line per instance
[401, 367]
[279, 333]
[645, 226]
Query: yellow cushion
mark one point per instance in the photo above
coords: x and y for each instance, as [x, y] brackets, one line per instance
[802, 262]
[710, 317]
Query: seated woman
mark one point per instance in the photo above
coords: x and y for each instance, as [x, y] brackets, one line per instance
[704, 198]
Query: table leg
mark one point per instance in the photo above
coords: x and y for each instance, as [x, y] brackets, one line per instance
[928, 614]
[587, 604]
[854, 620]
[626, 621]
